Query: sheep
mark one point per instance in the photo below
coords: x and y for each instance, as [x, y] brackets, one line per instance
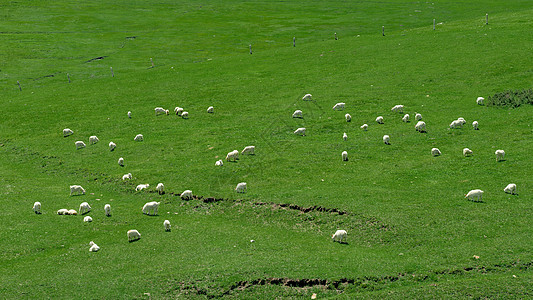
[76, 189]
[160, 110]
[79, 144]
[219, 162]
[307, 97]
[510, 189]
[339, 236]
[456, 124]
[339, 106]
[126, 176]
[467, 152]
[348, 117]
[364, 127]
[499, 155]
[150, 208]
[166, 224]
[379, 120]
[420, 126]
[405, 118]
[72, 212]
[210, 110]
[231, 156]
[297, 114]
[475, 125]
[236, 154]
[300, 131]
[93, 139]
[386, 140]
[129, 114]
[139, 138]
[37, 208]
[178, 110]
[133, 235]
[397, 108]
[141, 187]
[185, 115]
[84, 208]
[478, 194]
[93, 247]
[62, 211]
[160, 188]
[186, 195]
[121, 162]
[87, 219]
[345, 136]
[480, 100]
[344, 156]
[241, 187]
[250, 150]
[462, 120]
[418, 117]
[112, 146]
[67, 132]
[107, 210]
[435, 151]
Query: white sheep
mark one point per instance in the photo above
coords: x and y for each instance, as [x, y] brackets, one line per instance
[418, 117]
[139, 138]
[339, 236]
[79, 144]
[231, 156]
[478, 194]
[150, 208]
[499, 155]
[126, 176]
[241, 187]
[379, 120]
[462, 120]
[420, 126]
[475, 125]
[456, 124]
[62, 211]
[210, 110]
[141, 187]
[480, 100]
[160, 188]
[160, 110]
[166, 224]
[364, 127]
[133, 235]
[467, 152]
[300, 131]
[386, 139]
[339, 106]
[93, 139]
[121, 162]
[344, 156]
[185, 115]
[348, 117]
[67, 132]
[250, 150]
[84, 208]
[178, 110]
[435, 151]
[397, 108]
[129, 114]
[72, 212]
[345, 136]
[37, 208]
[219, 162]
[112, 146]
[87, 219]
[186, 195]
[76, 189]
[405, 118]
[107, 210]
[510, 189]
[307, 97]
[93, 247]
[297, 114]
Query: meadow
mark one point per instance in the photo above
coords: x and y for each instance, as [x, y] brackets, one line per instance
[411, 232]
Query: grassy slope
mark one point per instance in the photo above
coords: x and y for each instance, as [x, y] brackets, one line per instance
[418, 196]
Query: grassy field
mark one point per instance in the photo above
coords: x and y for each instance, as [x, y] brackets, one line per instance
[411, 232]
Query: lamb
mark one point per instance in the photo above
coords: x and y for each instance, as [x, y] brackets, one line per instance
[126, 176]
[178, 110]
[386, 140]
[84, 208]
[248, 150]
[420, 126]
[510, 189]
[62, 211]
[166, 224]
[462, 120]
[133, 235]
[141, 187]
[297, 114]
[480, 100]
[397, 108]
[405, 118]
[307, 97]
[93, 247]
[185, 115]
[344, 156]
[37, 208]
[379, 120]
[67, 132]
[210, 110]
[300, 131]
[241, 187]
[186, 195]
[475, 125]
[348, 117]
[139, 138]
[150, 208]
[129, 114]
[160, 110]
[107, 210]
[121, 162]
[236, 154]
[478, 194]
[219, 162]
[435, 151]
[345, 136]
[418, 117]
[72, 212]
[79, 144]
[364, 127]
[87, 219]
[339, 106]
[112, 146]
[231, 156]
[456, 124]
[499, 155]
[339, 236]
[93, 139]
[160, 188]
[467, 152]
[76, 189]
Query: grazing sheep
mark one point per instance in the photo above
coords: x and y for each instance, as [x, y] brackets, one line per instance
[478, 194]
[141, 187]
[480, 100]
[348, 117]
[94, 247]
[241, 187]
[339, 236]
[231, 156]
[462, 120]
[133, 235]
[435, 151]
[185, 115]
[93, 139]
[379, 120]
[178, 110]
[37, 208]
[112, 146]
[510, 189]
[386, 139]
[139, 138]
[72, 212]
[219, 162]
[79, 144]
[160, 110]
[307, 97]
[344, 156]
[160, 188]
[339, 106]
[364, 127]
[300, 131]
[210, 110]
[87, 219]
[475, 125]
[345, 136]
[405, 118]
[150, 208]
[420, 126]
[129, 114]
[62, 211]
[166, 224]
[467, 152]
[67, 132]
[126, 176]
[186, 195]
[84, 208]
[250, 150]
[297, 114]
[499, 155]
[236, 153]
[418, 117]
[397, 108]
[121, 162]
[456, 124]
[107, 210]
[76, 189]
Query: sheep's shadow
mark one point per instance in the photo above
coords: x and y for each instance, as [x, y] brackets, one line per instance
[131, 241]
[342, 243]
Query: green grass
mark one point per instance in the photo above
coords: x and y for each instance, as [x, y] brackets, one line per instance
[411, 232]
